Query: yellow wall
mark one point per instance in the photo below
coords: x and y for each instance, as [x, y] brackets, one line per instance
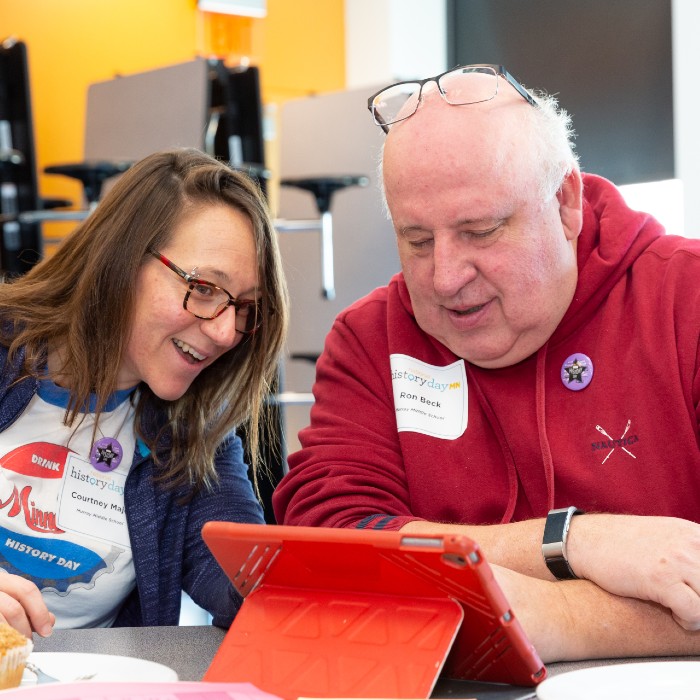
[299, 47]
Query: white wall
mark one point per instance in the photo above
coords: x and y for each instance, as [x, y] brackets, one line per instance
[686, 108]
[391, 40]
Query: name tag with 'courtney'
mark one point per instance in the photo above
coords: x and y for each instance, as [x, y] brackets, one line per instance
[91, 503]
[428, 399]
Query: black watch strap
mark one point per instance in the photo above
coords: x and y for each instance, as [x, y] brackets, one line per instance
[556, 529]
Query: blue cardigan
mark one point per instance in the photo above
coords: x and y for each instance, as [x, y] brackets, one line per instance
[168, 550]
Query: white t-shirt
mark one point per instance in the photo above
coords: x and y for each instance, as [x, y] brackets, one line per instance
[62, 519]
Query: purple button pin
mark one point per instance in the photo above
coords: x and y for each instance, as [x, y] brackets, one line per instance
[577, 371]
[106, 454]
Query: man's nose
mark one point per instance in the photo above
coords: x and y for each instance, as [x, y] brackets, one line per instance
[453, 267]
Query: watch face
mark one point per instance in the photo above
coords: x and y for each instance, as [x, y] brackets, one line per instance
[554, 542]
[555, 527]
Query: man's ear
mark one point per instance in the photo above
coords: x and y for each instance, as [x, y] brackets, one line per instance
[570, 198]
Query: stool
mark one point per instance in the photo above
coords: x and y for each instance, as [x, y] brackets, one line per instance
[323, 189]
[92, 175]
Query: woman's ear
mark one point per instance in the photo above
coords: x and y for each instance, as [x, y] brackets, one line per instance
[570, 197]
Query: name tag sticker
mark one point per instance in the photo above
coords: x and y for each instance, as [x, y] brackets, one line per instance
[428, 399]
[92, 502]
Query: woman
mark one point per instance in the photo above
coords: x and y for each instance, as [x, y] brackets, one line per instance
[128, 360]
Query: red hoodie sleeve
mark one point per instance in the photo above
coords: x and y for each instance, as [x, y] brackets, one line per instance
[349, 472]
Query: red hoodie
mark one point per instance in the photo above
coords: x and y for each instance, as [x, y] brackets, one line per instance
[627, 443]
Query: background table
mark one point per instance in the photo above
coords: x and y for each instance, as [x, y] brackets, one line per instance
[189, 651]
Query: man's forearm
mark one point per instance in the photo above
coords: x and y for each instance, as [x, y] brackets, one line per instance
[516, 546]
[654, 558]
[572, 620]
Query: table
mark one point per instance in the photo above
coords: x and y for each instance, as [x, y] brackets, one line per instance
[189, 651]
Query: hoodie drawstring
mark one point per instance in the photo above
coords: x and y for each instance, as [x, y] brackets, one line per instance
[541, 423]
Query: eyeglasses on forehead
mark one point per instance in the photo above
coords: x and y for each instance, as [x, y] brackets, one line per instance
[207, 300]
[463, 85]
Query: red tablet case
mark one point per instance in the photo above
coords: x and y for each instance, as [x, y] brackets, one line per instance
[363, 613]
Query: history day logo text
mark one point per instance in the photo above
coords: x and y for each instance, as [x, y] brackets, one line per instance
[35, 541]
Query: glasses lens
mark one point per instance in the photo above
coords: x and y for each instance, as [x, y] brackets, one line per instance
[205, 300]
[469, 84]
[395, 103]
[248, 317]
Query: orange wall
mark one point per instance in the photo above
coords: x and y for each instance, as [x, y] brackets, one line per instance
[299, 47]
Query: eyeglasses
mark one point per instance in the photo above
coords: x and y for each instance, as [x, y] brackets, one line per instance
[205, 300]
[465, 85]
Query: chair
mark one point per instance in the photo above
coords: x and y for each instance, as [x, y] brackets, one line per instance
[323, 189]
[20, 243]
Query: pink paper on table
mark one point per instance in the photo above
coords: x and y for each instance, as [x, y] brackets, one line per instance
[178, 690]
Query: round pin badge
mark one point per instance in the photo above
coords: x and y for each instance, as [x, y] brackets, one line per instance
[577, 371]
[106, 454]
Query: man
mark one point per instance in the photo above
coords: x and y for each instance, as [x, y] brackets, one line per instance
[537, 357]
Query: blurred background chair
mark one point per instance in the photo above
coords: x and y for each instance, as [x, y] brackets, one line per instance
[21, 244]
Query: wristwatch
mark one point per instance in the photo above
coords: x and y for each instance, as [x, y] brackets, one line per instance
[556, 529]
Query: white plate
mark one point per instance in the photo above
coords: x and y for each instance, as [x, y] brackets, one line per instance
[667, 680]
[67, 666]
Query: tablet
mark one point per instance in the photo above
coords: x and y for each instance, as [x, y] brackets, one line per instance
[331, 612]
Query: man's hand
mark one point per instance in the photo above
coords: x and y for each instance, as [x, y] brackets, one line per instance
[22, 606]
[650, 558]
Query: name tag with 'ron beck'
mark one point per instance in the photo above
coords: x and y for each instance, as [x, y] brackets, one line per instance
[428, 399]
